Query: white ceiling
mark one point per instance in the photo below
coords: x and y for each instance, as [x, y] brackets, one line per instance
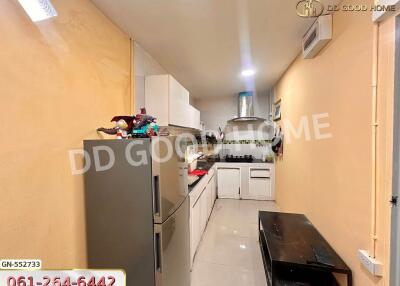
[206, 43]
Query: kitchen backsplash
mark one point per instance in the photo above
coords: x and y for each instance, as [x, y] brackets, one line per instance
[257, 150]
[256, 142]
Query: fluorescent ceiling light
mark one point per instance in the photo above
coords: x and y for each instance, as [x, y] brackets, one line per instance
[38, 10]
[248, 72]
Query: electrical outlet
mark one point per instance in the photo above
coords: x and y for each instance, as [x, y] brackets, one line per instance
[371, 264]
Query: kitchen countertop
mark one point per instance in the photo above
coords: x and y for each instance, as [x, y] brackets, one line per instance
[203, 165]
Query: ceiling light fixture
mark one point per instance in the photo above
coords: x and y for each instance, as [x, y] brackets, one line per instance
[248, 72]
[38, 10]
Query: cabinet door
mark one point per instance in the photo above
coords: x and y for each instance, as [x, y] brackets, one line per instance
[197, 119]
[214, 189]
[209, 198]
[179, 113]
[184, 95]
[156, 98]
[260, 186]
[177, 91]
[191, 122]
[203, 211]
[194, 118]
[195, 224]
[229, 183]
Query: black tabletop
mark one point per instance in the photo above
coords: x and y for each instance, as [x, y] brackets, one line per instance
[293, 239]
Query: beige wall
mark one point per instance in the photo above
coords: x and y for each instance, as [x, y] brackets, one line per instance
[330, 179]
[59, 80]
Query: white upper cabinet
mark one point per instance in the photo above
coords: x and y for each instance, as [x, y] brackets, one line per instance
[178, 92]
[157, 98]
[168, 101]
[194, 117]
[178, 104]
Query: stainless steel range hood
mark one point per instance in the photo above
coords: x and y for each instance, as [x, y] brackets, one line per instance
[246, 108]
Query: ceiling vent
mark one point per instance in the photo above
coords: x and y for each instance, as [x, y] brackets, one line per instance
[317, 36]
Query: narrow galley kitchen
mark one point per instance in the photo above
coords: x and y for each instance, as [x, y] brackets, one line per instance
[199, 143]
[224, 210]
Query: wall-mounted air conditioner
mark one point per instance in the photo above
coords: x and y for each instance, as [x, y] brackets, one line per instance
[317, 36]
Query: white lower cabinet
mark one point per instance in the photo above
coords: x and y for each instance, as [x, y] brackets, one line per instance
[213, 190]
[247, 181]
[202, 200]
[203, 210]
[229, 183]
[260, 188]
[209, 197]
[260, 184]
[195, 232]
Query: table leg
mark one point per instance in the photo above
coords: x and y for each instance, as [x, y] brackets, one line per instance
[350, 279]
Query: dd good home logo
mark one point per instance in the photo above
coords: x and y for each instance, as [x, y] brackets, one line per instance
[309, 8]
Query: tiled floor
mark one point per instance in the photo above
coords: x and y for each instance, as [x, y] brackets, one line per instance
[229, 254]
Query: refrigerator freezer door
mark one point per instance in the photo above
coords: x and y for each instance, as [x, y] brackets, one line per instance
[172, 247]
[118, 204]
[170, 183]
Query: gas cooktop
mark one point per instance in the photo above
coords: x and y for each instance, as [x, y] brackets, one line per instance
[239, 159]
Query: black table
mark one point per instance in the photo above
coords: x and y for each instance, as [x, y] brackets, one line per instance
[295, 253]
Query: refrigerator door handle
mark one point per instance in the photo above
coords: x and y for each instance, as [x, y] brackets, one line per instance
[156, 195]
[157, 246]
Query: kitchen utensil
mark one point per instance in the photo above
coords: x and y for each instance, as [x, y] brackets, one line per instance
[277, 141]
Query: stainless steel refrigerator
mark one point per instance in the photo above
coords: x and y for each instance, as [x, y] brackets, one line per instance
[137, 210]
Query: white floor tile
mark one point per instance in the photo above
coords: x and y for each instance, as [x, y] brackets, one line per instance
[229, 252]
[209, 274]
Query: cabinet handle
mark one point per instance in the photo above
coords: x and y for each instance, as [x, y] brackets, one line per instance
[157, 248]
[156, 195]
